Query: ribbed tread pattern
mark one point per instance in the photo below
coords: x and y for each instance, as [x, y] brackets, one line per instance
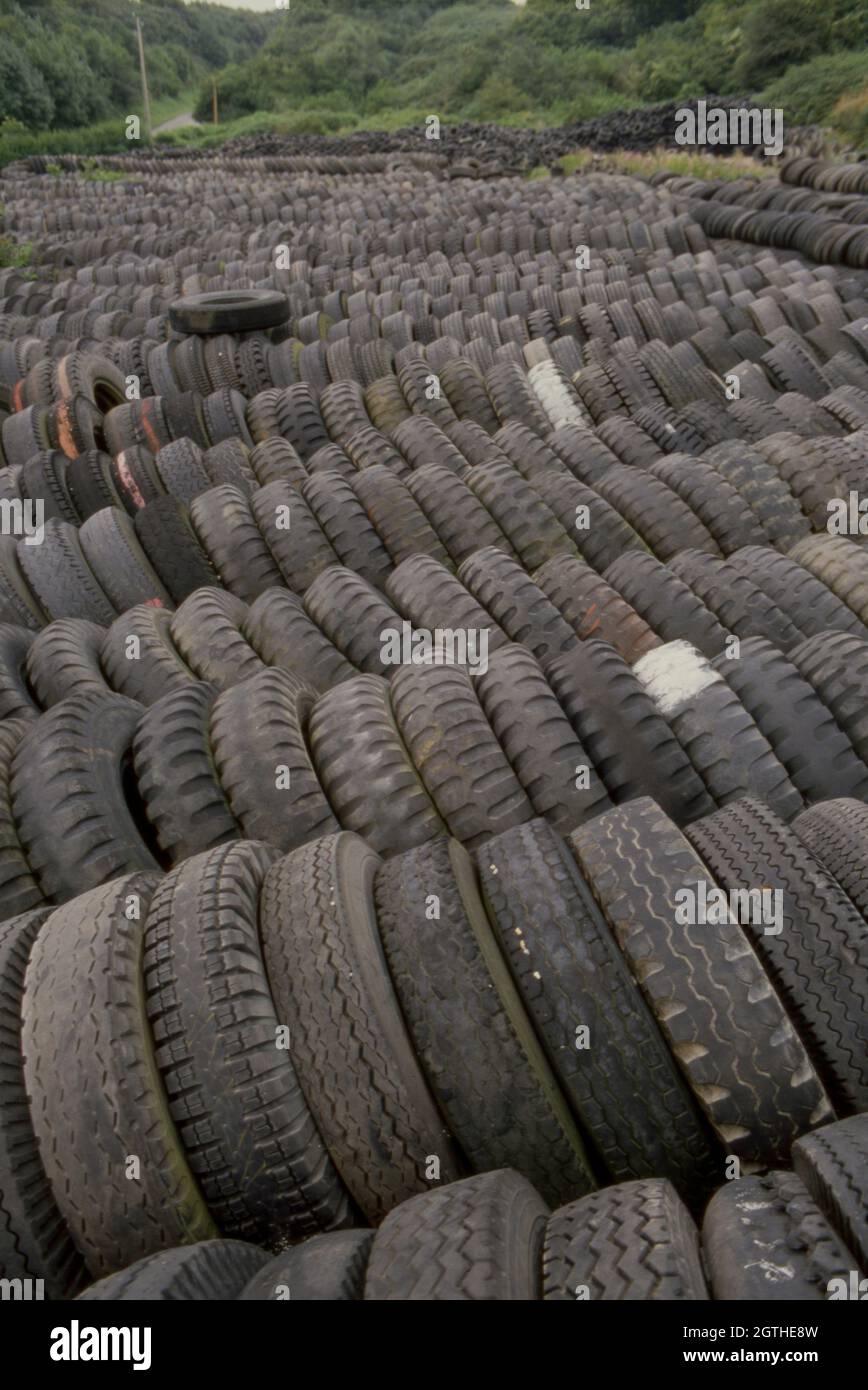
[713, 1000]
[634, 1242]
[354, 1059]
[96, 1097]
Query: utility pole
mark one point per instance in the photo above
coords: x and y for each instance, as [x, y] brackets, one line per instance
[145, 94]
[214, 116]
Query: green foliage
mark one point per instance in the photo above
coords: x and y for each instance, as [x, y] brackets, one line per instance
[69, 68]
[65, 64]
[810, 92]
[13, 253]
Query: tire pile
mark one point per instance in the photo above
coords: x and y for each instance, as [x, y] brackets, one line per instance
[329, 930]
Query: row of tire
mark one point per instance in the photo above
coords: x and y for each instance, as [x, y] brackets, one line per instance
[288, 1044]
[785, 1235]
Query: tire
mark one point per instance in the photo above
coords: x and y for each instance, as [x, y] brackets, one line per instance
[365, 769]
[604, 534]
[83, 981]
[16, 701]
[68, 796]
[229, 311]
[836, 833]
[138, 657]
[627, 740]
[634, 1243]
[232, 1090]
[454, 512]
[64, 660]
[122, 569]
[348, 528]
[811, 607]
[280, 632]
[836, 667]
[292, 534]
[479, 1240]
[15, 593]
[764, 1239]
[328, 1268]
[211, 1271]
[625, 1089]
[227, 531]
[533, 530]
[763, 489]
[396, 516]
[736, 601]
[354, 1060]
[816, 753]
[207, 632]
[815, 951]
[841, 565]
[182, 471]
[593, 609]
[257, 733]
[275, 460]
[723, 742]
[434, 599]
[176, 776]
[831, 1164]
[19, 890]
[712, 1000]
[353, 615]
[89, 480]
[539, 741]
[61, 579]
[669, 607]
[655, 512]
[714, 500]
[169, 541]
[456, 754]
[486, 1069]
[521, 608]
[34, 1241]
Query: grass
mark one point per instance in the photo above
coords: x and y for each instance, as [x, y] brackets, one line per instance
[697, 166]
[14, 253]
[167, 107]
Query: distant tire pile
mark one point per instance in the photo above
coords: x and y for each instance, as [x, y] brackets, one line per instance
[277, 448]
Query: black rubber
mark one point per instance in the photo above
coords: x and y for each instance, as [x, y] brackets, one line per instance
[478, 1241]
[210, 1271]
[469, 1026]
[634, 1242]
[257, 735]
[34, 1241]
[230, 1081]
[176, 776]
[724, 1022]
[354, 1060]
[814, 945]
[69, 795]
[619, 1076]
[84, 982]
[766, 1240]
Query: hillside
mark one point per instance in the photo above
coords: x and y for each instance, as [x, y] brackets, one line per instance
[65, 64]
[331, 64]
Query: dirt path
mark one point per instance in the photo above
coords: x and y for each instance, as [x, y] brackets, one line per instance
[177, 122]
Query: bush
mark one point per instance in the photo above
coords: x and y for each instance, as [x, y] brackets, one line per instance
[808, 93]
